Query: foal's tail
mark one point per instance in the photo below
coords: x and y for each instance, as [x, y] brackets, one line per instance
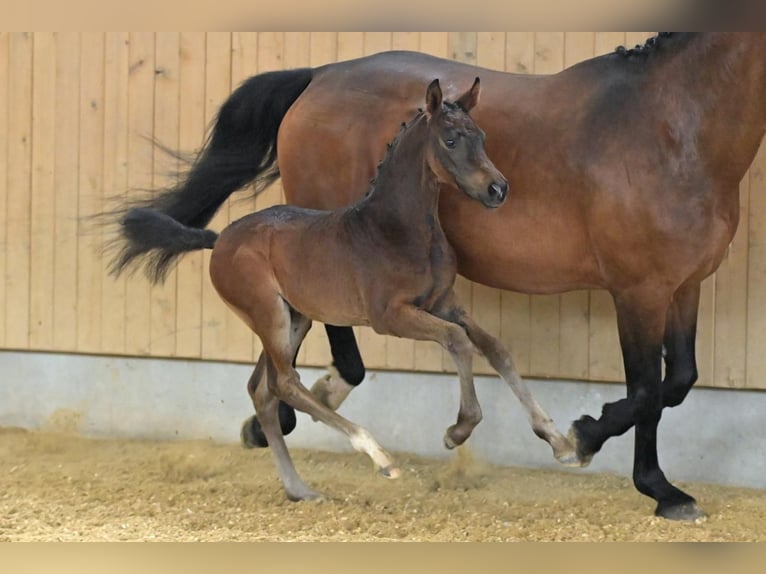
[161, 239]
[241, 149]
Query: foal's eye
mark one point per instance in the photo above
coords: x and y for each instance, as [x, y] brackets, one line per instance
[449, 143]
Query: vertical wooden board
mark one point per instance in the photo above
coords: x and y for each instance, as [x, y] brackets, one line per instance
[375, 42]
[215, 314]
[323, 48]
[140, 171]
[18, 181]
[520, 52]
[573, 335]
[405, 41]
[731, 305]
[89, 260]
[578, 46]
[705, 343]
[486, 310]
[66, 178]
[756, 354]
[756, 318]
[4, 71]
[515, 328]
[605, 355]
[350, 45]
[242, 344]
[191, 271]
[116, 57]
[490, 50]
[435, 43]
[607, 42]
[42, 237]
[166, 126]
[462, 46]
[296, 52]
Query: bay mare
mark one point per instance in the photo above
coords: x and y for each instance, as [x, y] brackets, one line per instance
[624, 172]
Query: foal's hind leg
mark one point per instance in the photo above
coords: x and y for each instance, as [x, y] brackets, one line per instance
[501, 361]
[287, 387]
[267, 407]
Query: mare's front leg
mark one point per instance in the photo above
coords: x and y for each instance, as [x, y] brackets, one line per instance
[680, 375]
[405, 320]
[641, 318]
[501, 360]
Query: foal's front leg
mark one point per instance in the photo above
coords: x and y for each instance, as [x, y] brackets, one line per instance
[410, 322]
[500, 359]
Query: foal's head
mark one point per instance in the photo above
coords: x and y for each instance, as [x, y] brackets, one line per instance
[456, 147]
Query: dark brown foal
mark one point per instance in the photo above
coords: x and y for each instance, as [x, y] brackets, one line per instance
[383, 262]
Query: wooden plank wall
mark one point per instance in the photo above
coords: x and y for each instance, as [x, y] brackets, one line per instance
[77, 111]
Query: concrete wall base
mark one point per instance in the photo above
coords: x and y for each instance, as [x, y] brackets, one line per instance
[716, 436]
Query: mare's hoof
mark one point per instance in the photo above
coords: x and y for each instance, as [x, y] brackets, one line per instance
[391, 472]
[251, 434]
[688, 511]
[582, 455]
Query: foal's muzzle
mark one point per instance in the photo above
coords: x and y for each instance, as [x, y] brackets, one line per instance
[498, 191]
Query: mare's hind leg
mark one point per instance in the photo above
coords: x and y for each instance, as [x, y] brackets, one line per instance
[500, 359]
[680, 374]
[346, 371]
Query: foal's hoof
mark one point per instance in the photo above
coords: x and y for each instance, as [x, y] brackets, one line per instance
[688, 511]
[305, 495]
[252, 435]
[454, 438]
[581, 453]
[570, 459]
[391, 472]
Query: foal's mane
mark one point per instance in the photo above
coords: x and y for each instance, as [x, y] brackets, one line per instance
[390, 147]
[655, 44]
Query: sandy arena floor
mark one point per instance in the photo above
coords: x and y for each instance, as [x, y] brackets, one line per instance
[55, 485]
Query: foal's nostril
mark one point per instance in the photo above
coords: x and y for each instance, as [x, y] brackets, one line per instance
[498, 191]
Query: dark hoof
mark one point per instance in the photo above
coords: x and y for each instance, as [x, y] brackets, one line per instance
[578, 436]
[251, 434]
[286, 418]
[688, 511]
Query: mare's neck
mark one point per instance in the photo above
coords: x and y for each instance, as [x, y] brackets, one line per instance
[713, 92]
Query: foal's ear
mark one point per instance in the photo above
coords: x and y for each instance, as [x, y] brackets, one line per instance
[434, 97]
[468, 100]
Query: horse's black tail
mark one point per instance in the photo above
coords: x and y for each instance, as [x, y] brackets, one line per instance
[241, 149]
